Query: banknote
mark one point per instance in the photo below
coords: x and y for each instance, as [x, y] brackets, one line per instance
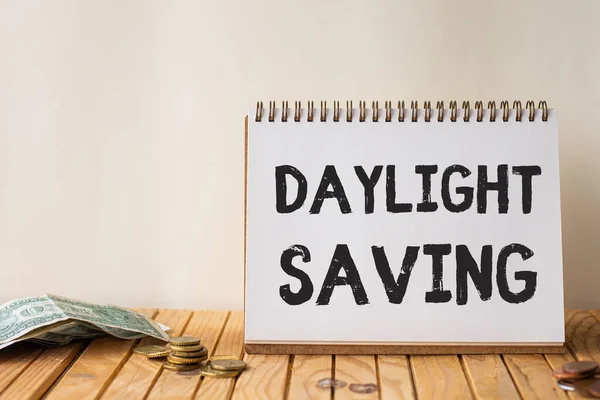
[55, 319]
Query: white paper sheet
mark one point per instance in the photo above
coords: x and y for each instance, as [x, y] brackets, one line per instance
[311, 146]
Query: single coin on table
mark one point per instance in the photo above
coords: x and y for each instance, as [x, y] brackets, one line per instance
[565, 385]
[580, 367]
[560, 373]
[152, 351]
[187, 349]
[200, 353]
[207, 371]
[228, 365]
[184, 340]
[180, 367]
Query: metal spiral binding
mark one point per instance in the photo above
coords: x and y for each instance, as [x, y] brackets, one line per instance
[362, 111]
[375, 108]
[427, 108]
[467, 111]
[479, 108]
[504, 106]
[453, 111]
[440, 110]
[530, 109]
[336, 111]
[492, 107]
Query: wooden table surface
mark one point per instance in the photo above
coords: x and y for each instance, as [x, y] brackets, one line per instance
[106, 368]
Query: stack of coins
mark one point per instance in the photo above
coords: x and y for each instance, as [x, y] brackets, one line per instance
[223, 367]
[579, 376]
[186, 354]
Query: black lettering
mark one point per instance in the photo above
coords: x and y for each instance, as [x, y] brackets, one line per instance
[467, 266]
[484, 186]
[529, 277]
[527, 173]
[426, 170]
[466, 191]
[306, 288]
[330, 178]
[369, 183]
[342, 260]
[437, 253]
[395, 290]
[390, 193]
[281, 172]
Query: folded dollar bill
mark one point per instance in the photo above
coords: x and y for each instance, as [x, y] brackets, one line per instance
[54, 321]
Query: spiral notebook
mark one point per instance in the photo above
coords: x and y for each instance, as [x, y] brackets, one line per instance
[403, 229]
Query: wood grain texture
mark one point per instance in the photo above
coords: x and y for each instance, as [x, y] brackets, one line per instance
[42, 372]
[583, 335]
[230, 343]
[596, 314]
[93, 371]
[207, 325]
[14, 360]
[84, 371]
[395, 378]
[557, 361]
[139, 373]
[439, 377]
[306, 372]
[264, 378]
[533, 377]
[488, 377]
[355, 369]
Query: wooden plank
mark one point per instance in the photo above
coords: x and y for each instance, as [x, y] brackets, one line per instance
[356, 369]
[230, 343]
[207, 325]
[533, 377]
[557, 361]
[265, 378]
[139, 373]
[439, 377]
[42, 372]
[306, 372]
[488, 377]
[596, 314]
[583, 335]
[14, 360]
[395, 378]
[93, 371]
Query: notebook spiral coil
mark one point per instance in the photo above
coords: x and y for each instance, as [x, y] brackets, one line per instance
[414, 116]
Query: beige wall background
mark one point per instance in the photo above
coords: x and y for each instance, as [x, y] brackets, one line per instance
[121, 124]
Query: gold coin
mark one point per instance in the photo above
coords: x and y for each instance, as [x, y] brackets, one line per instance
[201, 353]
[180, 367]
[196, 347]
[228, 365]
[152, 351]
[184, 341]
[206, 370]
[185, 360]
